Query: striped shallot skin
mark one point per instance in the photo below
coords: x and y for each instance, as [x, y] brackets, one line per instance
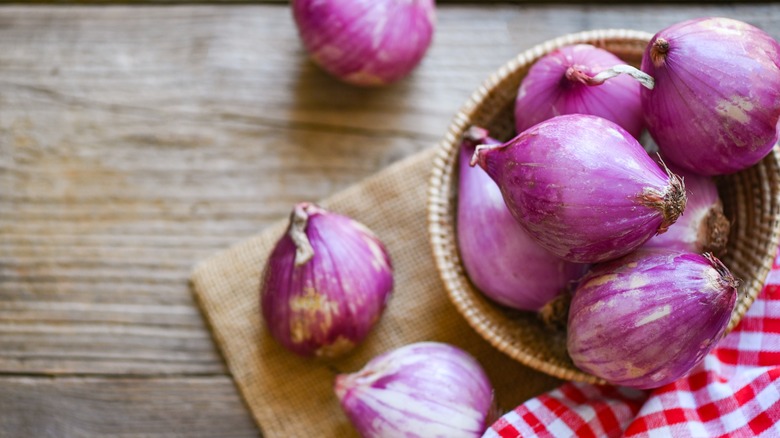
[646, 319]
[366, 42]
[427, 389]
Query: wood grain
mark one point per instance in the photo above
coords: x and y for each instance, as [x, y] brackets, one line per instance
[93, 407]
[136, 141]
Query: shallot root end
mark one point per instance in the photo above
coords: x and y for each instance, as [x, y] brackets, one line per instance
[674, 199]
[555, 313]
[480, 153]
[716, 231]
[476, 135]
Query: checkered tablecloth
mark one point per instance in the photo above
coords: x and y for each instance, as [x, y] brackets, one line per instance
[734, 392]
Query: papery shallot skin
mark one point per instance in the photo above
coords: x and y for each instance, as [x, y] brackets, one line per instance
[716, 103]
[583, 187]
[426, 389]
[704, 227]
[548, 91]
[499, 256]
[366, 42]
[647, 319]
[325, 283]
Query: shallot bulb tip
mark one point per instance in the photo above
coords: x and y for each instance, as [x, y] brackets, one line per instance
[479, 157]
[717, 229]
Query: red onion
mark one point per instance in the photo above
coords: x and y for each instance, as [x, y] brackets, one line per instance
[646, 319]
[714, 109]
[703, 227]
[500, 258]
[427, 389]
[571, 80]
[366, 42]
[325, 284]
[583, 187]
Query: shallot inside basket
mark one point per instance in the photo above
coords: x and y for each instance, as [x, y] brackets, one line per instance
[751, 201]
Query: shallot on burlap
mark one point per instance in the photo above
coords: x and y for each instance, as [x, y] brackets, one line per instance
[290, 396]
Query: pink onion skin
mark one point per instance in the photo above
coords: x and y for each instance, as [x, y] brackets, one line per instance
[546, 91]
[646, 319]
[583, 187]
[703, 227]
[366, 42]
[714, 109]
[499, 256]
[326, 305]
[427, 389]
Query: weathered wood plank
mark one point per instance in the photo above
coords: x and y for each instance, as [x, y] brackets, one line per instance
[92, 407]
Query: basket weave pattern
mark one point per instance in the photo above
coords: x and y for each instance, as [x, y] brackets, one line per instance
[751, 201]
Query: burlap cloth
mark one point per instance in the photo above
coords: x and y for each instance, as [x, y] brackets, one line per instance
[293, 397]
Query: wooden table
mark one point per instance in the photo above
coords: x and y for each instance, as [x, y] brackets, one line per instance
[136, 141]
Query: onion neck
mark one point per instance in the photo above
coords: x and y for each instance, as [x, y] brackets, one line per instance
[577, 73]
[299, 219]
[659, 52]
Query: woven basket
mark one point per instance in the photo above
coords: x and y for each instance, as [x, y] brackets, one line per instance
[751, 201]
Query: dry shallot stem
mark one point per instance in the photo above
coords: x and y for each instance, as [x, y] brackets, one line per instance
[576, 74]
[298, 221]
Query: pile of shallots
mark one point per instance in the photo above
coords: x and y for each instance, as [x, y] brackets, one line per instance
[572, 207]
[575, 190]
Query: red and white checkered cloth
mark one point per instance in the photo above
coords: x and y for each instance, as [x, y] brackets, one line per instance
[734, 392]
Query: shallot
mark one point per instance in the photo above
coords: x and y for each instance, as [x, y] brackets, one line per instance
[646, 319]
[427, 389]
[714, 109]
[325, 283]
[583, 187]
[366, 42]
[571, 80]
[500, 258]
